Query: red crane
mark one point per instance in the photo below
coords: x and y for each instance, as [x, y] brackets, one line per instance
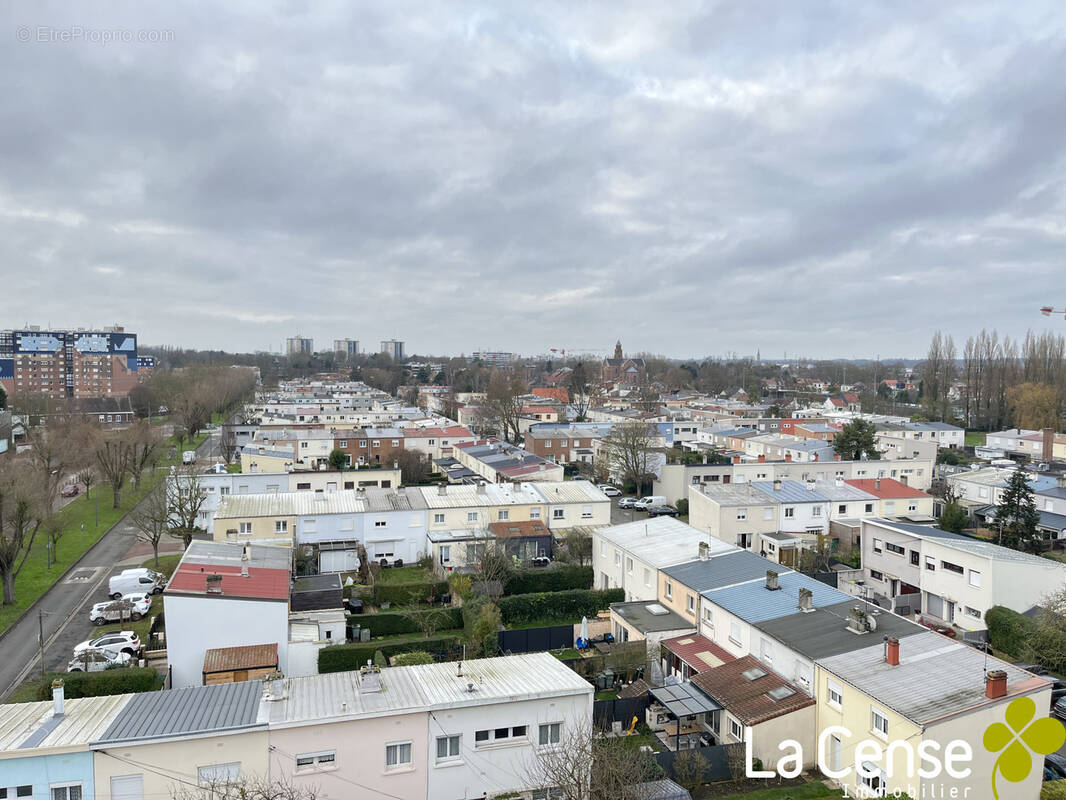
[1047, 311]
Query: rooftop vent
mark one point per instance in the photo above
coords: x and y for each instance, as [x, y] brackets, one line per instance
[777, 484]
[806, 600]
[656, 610]
[705, 551]
[213, 584]
[859, 621]
[772, 582]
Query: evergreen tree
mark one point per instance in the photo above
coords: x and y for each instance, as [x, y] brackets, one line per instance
[1016, 515]
[953, 519]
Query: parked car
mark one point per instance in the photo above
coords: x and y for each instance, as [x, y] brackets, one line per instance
[1056, 764]
[70, 490]
[644, 503]
[117, 642]
[215, 469]
[1036, 669]
[662, 511]
[627, 502]
[610, 491]
[1059, 709]
[128, 607]
[98, 661]
[137, 580]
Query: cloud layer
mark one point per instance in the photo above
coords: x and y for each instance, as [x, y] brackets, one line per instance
[826, 178]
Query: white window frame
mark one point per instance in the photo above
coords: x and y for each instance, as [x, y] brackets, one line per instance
[281, 526]
[210, 773]
[975, 574]
[322, 759]
[66, 786]
[879, 723]
[736, 730]
[398, 748]
[452, 746]
[503, 515]
[438, 519]
[244, 528]
[835, 694]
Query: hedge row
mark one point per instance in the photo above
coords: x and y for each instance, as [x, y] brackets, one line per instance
[408, 593]
[344, 657]
[571, 576]
[1008, 630]
[109, 681]
[563, 606]
[388, 624]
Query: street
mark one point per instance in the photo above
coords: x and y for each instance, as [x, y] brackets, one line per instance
[66, 605]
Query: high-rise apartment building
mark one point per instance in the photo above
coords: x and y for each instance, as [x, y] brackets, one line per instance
[298, 345]
[69, 364]
[346, 347]
[394, 348]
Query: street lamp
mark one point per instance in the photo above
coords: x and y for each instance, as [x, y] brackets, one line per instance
[48, 549]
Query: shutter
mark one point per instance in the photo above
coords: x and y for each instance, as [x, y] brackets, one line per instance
[127, 787]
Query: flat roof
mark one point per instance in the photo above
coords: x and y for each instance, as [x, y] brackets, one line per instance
[733, 494]
[649, 616]
[662, 541]
[790, 492]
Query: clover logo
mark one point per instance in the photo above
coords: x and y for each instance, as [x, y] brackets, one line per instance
[1024, 736]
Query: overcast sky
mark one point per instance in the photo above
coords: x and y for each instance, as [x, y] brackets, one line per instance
[828, 179]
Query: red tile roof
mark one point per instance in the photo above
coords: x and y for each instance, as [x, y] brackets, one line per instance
[425, 433]
[698, 652]
[556, 393]
[888, 488]
[261, 583]
[540, 410]
[251, 656]
[746, 699]
[515, 530]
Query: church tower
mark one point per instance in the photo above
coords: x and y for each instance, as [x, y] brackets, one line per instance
[618, 349]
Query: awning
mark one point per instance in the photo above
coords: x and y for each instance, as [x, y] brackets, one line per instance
[684, 699]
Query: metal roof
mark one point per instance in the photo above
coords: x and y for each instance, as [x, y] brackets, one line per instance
[936, 676]
[968, 544]
[838, 491]
[734, 494]
[486, 494]
[753, 602]
[24, 725]
[790, 492]
[684, 699]
[180, 712]
[208, 553]
[727, 569]
[461, 535]
[662, 541]
[824, 632]
[570, 492]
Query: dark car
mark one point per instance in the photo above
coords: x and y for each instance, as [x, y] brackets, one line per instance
[70, 490]
[1036, 669]
[662, 511]
[1056, 763]
[1059, 709]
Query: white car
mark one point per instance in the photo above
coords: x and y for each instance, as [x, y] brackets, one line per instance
[97, 661]
[610, 491]
[128, 607]
[118, 642]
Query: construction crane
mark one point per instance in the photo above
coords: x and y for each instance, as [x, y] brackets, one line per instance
[1047, 311]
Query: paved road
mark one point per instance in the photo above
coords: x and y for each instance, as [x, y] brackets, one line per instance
[65, 605]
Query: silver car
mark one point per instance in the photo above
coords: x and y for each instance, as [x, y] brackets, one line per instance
[97, 661]
[128, 607]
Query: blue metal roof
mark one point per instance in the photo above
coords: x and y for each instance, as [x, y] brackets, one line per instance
[790, 492]
[753, 602]
[719, 571]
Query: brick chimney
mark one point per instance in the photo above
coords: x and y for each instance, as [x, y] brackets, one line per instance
[836, 456]
[788, 457]
[736, 459]
[814, 457]
[996, 684]
[762, 459]
[892, 651]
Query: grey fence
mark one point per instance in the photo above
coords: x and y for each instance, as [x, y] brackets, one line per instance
[533, 640]
[716, 757]
[605, 712]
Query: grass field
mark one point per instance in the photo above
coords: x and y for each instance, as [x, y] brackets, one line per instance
[975, 439]
[808, 791]
[412, 574]
[82, 528]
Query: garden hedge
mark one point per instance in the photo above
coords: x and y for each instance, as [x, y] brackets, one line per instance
[390, 624]
[344, 657]
[403, 594]
[96, 684]
[1008, 630]
[562, 606]
[571, 576]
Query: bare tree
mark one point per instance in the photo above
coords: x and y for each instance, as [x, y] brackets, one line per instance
[628, 452]
[501, 409]
[185, 498]
[494, 570]
[689, 767]
[151, 519]
[252, 788]
[144, 442]
[113, 454]
[227, 443]
[587, 766]
[23, 510]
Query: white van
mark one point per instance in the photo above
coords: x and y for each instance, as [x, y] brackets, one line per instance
[644, 503]
[188, 457]
[136, 581]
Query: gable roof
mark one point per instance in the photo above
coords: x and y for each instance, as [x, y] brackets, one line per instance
[753, 602]
[748, 698]
[968, 544]
[726, 569]
[886, 488]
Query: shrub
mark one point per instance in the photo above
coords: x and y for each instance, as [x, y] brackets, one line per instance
[572, 576]
[682, 507]
[1008, 630]
[390, 624]
[96, 684]
[344, 657]
[412, 658]
[408, 593]
[561, 606]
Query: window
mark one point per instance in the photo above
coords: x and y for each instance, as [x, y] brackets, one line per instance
[376, 443]
[617, 557]
[930, 563]
[669, 591]
[691, 604]
[362, 442]
[880, 723]
[975, 579]
[302, 486]
[952, 567]
[708, 616]
[447, 748]
[471, 516]
[767, 513]
[548, 443]
[734, 632]
[915, 558]
[481, 736]
[869, 508]
[395, 442]
[380, 523]
[281, 526]
[890, 506]
[218, 773]
[445, 553]
[836, 694]
[246, 528]
[397, 755]
[308, 761]
[551, 793]
[973, 612]
[647, 577]
[496, 735]
[534, 513]
[790, 512]
[438, 519]
[629, 565]
[342, 443]
[586, 512]
[742, 513]
[894, 548]
[816, 511]
[504, 514]
[842, 508]
[603, 549]
[878, 545]
[558, 513]
[736, 730]
[68, 792]
[549, 734]
[912, 506]
[123, 787]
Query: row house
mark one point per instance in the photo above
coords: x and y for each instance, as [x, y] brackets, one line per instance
[436, 442]
[570, 445]
[372, 446]
[497, 462]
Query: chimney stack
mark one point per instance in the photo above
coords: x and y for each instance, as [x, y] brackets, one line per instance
[877, 484]
[762, 459]
[806, 600]
[442, 489]
[892, 651]
[59, 708]
[736, 459]
[814, 457]
[996, 684]
[705, 551]
[213, 584]
[777, 484]
[788, 457]
[771, 581]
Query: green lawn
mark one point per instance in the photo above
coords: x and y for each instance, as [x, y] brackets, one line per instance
[37, 576]
[975, 439]
[413, 574]
[167, 563]
[808, 791]
[566, 655]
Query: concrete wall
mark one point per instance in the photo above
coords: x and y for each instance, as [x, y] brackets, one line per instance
[45, 771]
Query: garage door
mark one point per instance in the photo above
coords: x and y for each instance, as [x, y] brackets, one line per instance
[127, 787]
[934, 604]
[338, 561]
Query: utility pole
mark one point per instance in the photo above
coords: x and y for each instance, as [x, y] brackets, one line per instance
[40, 634]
